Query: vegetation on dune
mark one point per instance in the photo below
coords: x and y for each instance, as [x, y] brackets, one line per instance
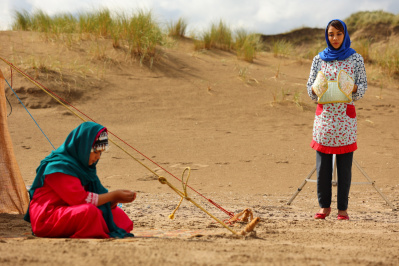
[282, 48]
[367, 18]
[220, 36]
[376, 50]
[139, 31]
[177, 29]
[98, 23]
[370, 32]
[140, 36]
[247, 45]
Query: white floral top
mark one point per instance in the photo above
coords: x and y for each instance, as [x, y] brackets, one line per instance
[335, 124]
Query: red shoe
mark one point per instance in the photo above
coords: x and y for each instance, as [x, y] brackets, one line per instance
[342, 217]
[322, 215]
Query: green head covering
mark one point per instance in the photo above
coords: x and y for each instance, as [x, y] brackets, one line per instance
[72, 158]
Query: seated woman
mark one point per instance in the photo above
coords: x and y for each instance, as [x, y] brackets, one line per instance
[67, 197]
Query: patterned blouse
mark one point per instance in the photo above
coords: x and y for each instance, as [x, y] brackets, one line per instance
[335, 124]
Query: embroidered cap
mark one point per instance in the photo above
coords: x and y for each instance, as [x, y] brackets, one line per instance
[101, 143]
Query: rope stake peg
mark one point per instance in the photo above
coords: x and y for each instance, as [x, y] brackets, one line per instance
[245, 213]
[250, 227]
[248, 214]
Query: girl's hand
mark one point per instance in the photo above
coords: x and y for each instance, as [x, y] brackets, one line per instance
[314, 93]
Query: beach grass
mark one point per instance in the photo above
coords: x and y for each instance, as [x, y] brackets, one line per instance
[363, 19]
[177, 29]
[142, 34]
[282, 48]
[247, 45]
[139, 33]
[387, 58]
[139, 30]
[221, 36]
[362, 46]
[217, 36]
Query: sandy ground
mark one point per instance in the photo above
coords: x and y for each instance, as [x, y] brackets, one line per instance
[240, 130]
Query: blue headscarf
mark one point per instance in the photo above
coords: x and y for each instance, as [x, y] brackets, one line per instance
[72, 158]
[343, 52]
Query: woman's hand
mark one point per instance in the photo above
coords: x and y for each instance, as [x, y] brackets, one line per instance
[117, 196]
[314, 93]
[124, 196]
[354, 89]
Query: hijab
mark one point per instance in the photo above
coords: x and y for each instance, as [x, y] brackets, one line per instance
[330, 54]
[72, 158]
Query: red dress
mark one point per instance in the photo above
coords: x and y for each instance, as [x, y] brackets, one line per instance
[63, 208]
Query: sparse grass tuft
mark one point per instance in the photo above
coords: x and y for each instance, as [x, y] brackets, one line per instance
[313, 50]
[177, 29]
[387, 58]
[247, 45]
[362, 47]
[219, 36]
[282, 48]
[142, 34]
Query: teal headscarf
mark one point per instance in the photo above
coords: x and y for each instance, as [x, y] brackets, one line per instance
[72, 158]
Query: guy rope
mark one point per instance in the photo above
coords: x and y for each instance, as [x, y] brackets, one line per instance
[183, 194]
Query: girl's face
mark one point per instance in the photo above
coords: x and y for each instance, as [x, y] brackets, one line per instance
[335, 37]
[94, 157]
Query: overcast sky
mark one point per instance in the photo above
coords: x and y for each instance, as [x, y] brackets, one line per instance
[261, 16]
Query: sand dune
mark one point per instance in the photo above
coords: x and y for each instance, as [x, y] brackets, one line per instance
[244, 130]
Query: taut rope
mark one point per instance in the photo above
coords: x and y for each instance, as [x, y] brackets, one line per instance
[161, 179]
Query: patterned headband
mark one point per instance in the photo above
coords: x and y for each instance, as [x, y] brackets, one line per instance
[101, 143]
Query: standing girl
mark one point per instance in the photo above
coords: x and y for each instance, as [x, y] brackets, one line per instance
[337, 78]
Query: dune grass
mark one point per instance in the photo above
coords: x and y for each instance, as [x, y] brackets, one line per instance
[218, 36]
[366, 18]
[142, 34]
[138, 34]
[384, 54]
[282, 48]
[362, 46]
[97, 23]
[139, 31]
[177, 29]
[387, 58]
[247, 45]
[221, 36]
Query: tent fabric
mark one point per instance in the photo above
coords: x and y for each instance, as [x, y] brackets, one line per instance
[13, 194]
